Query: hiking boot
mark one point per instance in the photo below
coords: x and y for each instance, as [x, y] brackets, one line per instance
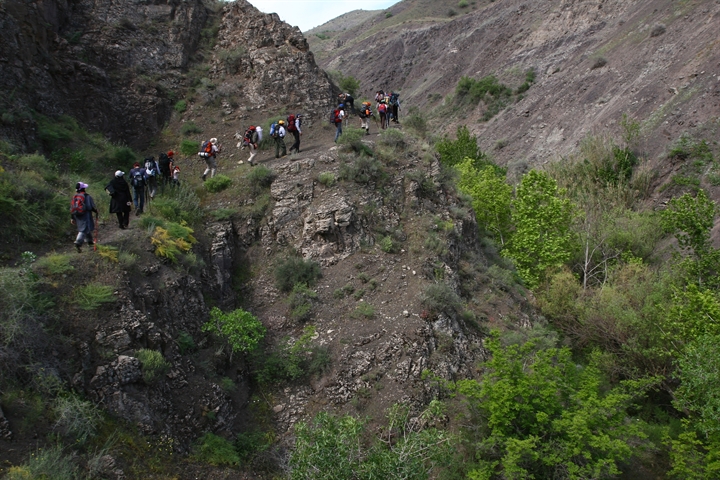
[204, 176]
[137, 213]
[77, 247]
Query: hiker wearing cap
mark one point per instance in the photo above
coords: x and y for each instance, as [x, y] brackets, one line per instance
[211, 159]
[138, 180]
[347, 100]
[279, 136]
[338, 116]
[176, 176]
[82, 208]
[120, 199]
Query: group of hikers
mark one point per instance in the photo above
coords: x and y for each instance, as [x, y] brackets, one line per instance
[144, 181]
[278, 130]
[386, 104]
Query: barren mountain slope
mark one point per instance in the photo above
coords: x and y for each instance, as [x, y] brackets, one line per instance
[657, 61]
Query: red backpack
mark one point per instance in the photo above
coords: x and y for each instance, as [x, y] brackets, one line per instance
[336, 116]
[77, 205]
[291, 123]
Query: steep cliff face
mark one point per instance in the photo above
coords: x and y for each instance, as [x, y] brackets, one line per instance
[653, 60]
[111, 65]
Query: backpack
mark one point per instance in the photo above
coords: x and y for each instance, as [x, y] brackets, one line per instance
[150, 167]
[336, 116]
[205, 149]
[274, 130]
[365, 110]
[77, 205]
[164, 164]
[137, 179]
[382, 108]
[259, 131]
[248, 137]
[291, 123]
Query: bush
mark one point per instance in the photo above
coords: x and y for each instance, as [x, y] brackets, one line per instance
[153, 364]
[290, 361]
[353, 138]
[215, 450]
[260, 178]
[363, 310]
[241, 329]
[76, 417]
[387, 244]
[185, 342]
[300, 302]
[327, 179]
[190, 128]
[55, 264]
[180, 106]
[179, 205]
[416, 121]
[92, 296]
[476, 90]
[294, 270]
[189, 147]
[441, 298]
[48, 463]
[218, 183]
[393, 138]
[172, 240]
[363, 170]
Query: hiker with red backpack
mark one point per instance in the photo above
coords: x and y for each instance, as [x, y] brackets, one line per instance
[382, 109]
[209, 151]
[338, 116]
[120, 199]
[294, 127]
[251, 140]
[82, 208]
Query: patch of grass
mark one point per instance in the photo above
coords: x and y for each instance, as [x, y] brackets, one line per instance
[190, 128]
[363, 169]
[441, 298]
[76, 417]
[127, 259]
[295, 270]
[172, 241]
[92, 296]
[50, 463]
[189, 147]
[215, 450]
[363, 310]
[222, 214]
[54, 264]
[300, 302]
[153, 364]
[185, 342]
[218, 183]
[327, 179]
[260, 178]
[180, 106]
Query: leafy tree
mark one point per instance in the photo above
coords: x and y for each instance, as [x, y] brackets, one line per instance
[542, 218]
[453, 152]
[539, 413]
[491, 196]
[343, 447]
[242, 330]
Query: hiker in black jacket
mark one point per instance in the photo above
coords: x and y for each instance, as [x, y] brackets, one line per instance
[121, 199]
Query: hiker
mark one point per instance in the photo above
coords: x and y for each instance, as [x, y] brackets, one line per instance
[365, 114]
[251, 139]
[138, 180]
[278, 133]
[165, 163]
[152, 171]
[209, 152]
[382, 109]
[81, 209]
[294, 126]
[395, 106]
[176, 176]
[379, 95]
[348, 100]
[121, 199]
[338, 115]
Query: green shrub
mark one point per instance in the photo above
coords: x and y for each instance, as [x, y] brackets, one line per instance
[300, 302]
[463, 4]
[172, 240]
[363, 310]
[222, 214]
[387, 244]
[294, 270]
[416, 121]
[92, 296]
[153, 364]
[241, 329]
[363, 170]
[394, 138]
[327, 179]
[214, 450]
[440, 298]
[17, 303]
[185, 342]
[47, 463]
[260, 178]
[180, 106]
[227, 385]
[189, 147]
[190, 128]
[352, 138]
[473, 91]
[55, 264]
[179, 204]
[251, 442]
[218, 183]
[290, 361]
[76, 417]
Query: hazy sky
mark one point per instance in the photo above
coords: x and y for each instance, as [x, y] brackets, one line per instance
[307, 14]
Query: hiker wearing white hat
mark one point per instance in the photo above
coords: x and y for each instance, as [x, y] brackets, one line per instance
[121, 198]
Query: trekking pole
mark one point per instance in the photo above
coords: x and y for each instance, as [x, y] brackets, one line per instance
[95, 235]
